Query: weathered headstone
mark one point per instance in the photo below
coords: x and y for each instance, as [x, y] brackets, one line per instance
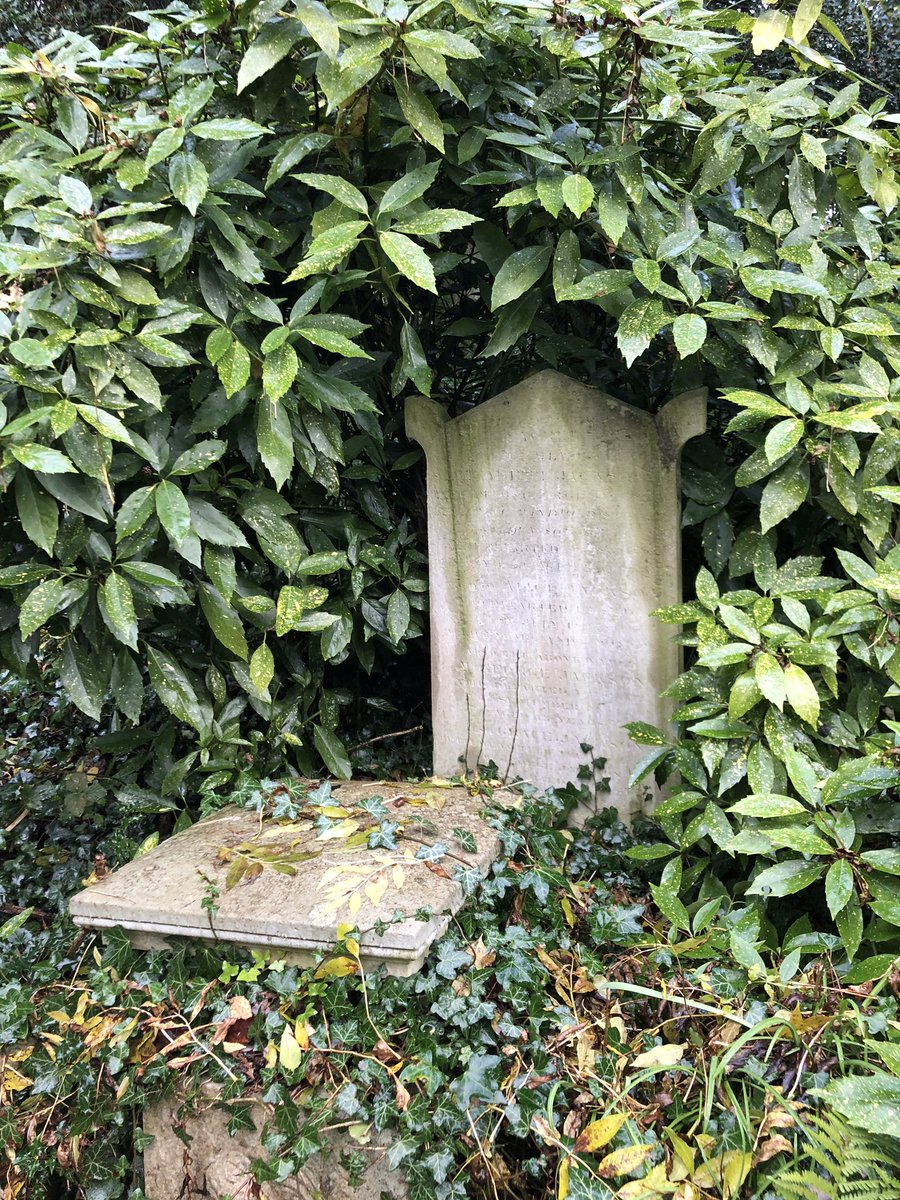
[217, 1165]
[167, 892]
[553, 533]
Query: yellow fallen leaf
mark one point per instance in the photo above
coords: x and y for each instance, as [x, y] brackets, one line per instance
[623, 1161]
[15, 1081]
[375, 889]
[289, 1052]
[666, 1055]
[599, 1133]
[562, 1189]
[654, 1183]
[337, 967]
[399, 876]
[342, 829]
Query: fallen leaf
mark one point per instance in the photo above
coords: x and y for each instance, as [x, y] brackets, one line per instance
[774, 1145]
[666, 1055]
[240, 1008]
[599, 1133]
[623, 1161]
[337, 967]
[289, 1052]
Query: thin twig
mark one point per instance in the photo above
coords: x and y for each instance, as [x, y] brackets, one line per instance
[383, 737]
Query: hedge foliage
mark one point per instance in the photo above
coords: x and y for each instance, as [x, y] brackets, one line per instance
[232, 243]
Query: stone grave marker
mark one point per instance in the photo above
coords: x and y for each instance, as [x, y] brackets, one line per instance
[162, 893]
[291, 916]
[553, 533]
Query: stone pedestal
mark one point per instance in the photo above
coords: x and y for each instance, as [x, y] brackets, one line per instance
[217, 1166]
[283, 887]
[553, 533]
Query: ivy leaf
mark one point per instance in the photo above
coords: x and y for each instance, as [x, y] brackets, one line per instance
[518, 273]
[410, 260]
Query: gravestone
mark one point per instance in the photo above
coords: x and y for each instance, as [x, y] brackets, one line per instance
[255, 905]
[553, 533]
[167, 892]
[218, 1164]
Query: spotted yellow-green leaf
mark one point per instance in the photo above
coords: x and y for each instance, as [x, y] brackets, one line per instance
[518, 273]
[410, 260]
[279, 371]
[770, 678]
[172, 510]
[293, 602]
[769, 30]
[262, 667]
[223, 620]
[689, 332]
[39, 605]
[188, 180]
[331, 748]
[578, 193]
[839, 885]
[233, 367]
[420, 113]
[638, 325]
[117, 606]
[801, 694]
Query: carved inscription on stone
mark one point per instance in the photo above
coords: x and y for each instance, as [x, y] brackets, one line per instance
[553, 519]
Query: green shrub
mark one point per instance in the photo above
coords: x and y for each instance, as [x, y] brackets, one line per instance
[232, 244]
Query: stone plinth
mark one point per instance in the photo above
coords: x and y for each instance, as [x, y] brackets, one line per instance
[216, 1165]
[553, 533]
[284, 886]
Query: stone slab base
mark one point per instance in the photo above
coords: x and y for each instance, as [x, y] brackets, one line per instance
[217, 1166]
